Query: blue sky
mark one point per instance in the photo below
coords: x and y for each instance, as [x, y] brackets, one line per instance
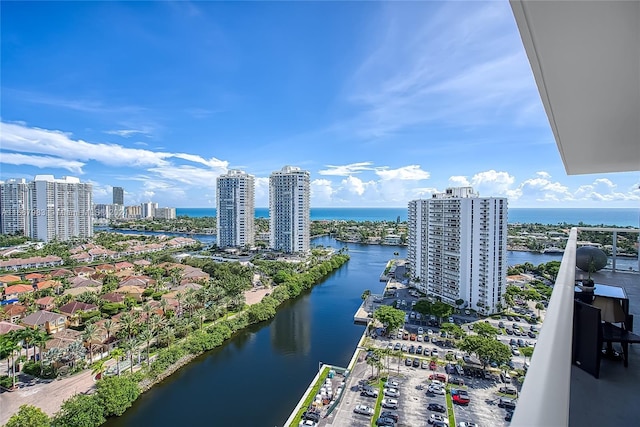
[381, 102]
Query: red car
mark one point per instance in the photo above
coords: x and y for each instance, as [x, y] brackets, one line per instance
[439, 377]
[433, 365]
[461, 397]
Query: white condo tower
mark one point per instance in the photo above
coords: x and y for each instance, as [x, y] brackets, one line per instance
[458, 247]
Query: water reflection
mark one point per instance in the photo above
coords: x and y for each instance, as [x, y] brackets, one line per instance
[291, 331]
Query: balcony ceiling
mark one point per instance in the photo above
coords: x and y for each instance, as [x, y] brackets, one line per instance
[585, 57]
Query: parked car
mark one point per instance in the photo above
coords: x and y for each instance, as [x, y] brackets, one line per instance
[311, 415]
[509, 404]
[436, 407]
[389, 414]
[438, 377]
[416, 362]
[363, 409]
[460, 397]
[501, 324]
[508, 416]
[391, 392]
[521, 342]
[436, 418]
[407, 362]
[405, 347]
[434, 352]
[435, 389]
[508, 390]
[433, 365]
[420, 338]
[467, 424]
[412, 337]
[397, 347]
[515, 352]
[420, 330]
[405, 335]
[531, 334]
[390, 403]
[392, 383]
[385, 422]
[412, 349]
[424, 364]
[509, 331]
[369, 392]
[308, 423]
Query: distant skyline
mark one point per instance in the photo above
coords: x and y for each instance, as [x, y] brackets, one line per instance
[381, 102]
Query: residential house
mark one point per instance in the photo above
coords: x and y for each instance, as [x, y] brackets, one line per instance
[6, 327]
[16, 264]
[56, 285]
[45, 320]
[82, 289]
[84, 271]
[34, 277]
[14, 312]
[120, 266]
[9, 279]
[81, 257]
[73, 310]
[131, 291]
[105, 268]
[46, 303]
[61, 273]
[14, 291]
[113, 297]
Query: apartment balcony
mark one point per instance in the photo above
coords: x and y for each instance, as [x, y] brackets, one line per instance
[557, 393]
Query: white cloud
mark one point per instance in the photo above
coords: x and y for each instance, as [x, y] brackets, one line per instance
[127, 133]
[262, 191]
[434, 62]
[321, 192]
[42, 162]
[409, 173]
[543, 174]
[459, 181]
[345, 170]
[21, 138]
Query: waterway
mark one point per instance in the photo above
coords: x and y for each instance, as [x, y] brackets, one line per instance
[258, 376]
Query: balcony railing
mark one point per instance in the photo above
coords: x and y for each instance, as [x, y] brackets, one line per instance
[546, 393]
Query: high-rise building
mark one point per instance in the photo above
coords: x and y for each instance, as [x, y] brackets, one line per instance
[118, 196]
[60, 208]
[289, 210]
[164, 213]
[458, 247]
[148, 209]
[235, 209]
[15, 205]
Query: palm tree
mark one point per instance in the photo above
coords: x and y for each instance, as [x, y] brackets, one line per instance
[147, 336]
[40, 340]
[26, 336]
[129, 346]
[163, 305]
[399, 354]
[117, 353]
[99, 368]
[129, 323]
[109, 327]
[9, 344]
[89, 335]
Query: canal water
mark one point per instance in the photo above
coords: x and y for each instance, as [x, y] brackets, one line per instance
[257, 377]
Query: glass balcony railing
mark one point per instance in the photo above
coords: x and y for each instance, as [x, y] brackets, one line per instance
[555, 393]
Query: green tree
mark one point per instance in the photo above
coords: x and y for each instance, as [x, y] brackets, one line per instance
[365, 294]
[487, 349]
[390, 317]
[485, 329]
[539, 306]
[441, 309]
[453, 329]
[29, 416]
[526, 352]
[116, 394]
[424, 307]
[81, 410]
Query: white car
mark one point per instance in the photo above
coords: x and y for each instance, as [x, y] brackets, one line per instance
[390, 346]
[420, 337]
[308, 423]
[392, 383]
[466, 424]
[437, 383]
[439, 418]
[435, 389]
[391, 392]
[363, 409]
[390, 403]
[420, 331]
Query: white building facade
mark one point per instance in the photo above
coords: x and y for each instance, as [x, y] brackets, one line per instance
[458, 247]
[60, 208]
[235, 207]
[290, 210]
[15, 205]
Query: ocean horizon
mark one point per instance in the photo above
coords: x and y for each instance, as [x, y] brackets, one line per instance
[620, 217]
